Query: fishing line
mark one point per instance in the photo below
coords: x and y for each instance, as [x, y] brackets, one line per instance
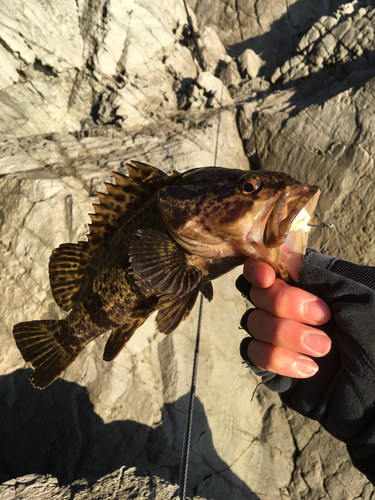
[184, 467]
[330, 225]
[218, 120]
[189, 423]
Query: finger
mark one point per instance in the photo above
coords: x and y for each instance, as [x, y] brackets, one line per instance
[285, 301]
[258, 273]
[288, 334]
[281, 361]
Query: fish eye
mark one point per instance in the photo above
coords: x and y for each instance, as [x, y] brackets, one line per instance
[249, 185]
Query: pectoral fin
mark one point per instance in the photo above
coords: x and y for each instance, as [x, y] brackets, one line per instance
[157, 261]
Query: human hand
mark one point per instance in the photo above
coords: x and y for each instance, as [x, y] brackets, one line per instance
[341, 395]
[284, 323]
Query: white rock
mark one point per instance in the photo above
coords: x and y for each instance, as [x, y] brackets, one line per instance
[213, 51]
[52, 46]
[250, 63]
[50, 30]
[8, 64]
[214, 85]
[180, 63]
[197, 99]
[137, 38]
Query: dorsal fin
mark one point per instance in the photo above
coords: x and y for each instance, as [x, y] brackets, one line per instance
[143, 171]
[123, 198]
[69, 261]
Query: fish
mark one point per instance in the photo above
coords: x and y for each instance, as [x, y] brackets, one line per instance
[155, 241]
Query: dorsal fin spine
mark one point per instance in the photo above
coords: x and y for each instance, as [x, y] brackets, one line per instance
[121, 179]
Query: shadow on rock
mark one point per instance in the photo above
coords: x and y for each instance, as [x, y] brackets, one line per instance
[56, 431]
[329, 81]
[279, 43]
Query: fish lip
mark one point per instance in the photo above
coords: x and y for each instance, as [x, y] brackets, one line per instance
[293, 200]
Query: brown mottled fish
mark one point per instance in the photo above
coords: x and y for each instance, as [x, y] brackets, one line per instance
[155, 242]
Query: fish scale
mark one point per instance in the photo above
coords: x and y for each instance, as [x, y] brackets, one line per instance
[155, 242]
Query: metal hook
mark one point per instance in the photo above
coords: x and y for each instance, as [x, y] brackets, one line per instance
[323, 224]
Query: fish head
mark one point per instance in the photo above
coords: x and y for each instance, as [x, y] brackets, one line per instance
[215, 213]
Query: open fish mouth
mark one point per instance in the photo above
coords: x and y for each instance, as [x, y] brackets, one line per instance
[298, 233]
[288, 223]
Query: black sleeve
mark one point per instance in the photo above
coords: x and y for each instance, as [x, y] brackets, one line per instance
[341, 396]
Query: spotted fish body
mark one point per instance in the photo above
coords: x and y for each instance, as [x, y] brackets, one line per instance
[155, 241]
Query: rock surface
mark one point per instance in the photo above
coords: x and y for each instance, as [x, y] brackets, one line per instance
[126, 68]
[119, 485]
[67, 63]
[271, 29]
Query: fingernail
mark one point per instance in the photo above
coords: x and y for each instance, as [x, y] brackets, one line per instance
[243, 348]
[315, 310]
[307, 366]
[243, 286]
[317, 342]
[244, 319]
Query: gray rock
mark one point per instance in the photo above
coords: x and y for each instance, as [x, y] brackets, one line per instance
[271, 29]
[121, 484]
[334, 135]
[344, 41]
[231, 75]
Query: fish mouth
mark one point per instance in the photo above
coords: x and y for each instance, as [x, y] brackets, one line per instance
[288, 223]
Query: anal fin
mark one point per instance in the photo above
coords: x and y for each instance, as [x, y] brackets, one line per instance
[119, 337]
[208, 291]
[173, 311]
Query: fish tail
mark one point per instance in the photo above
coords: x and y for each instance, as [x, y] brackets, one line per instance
[40, 344]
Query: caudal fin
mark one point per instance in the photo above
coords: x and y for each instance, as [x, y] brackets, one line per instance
[38, 344]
